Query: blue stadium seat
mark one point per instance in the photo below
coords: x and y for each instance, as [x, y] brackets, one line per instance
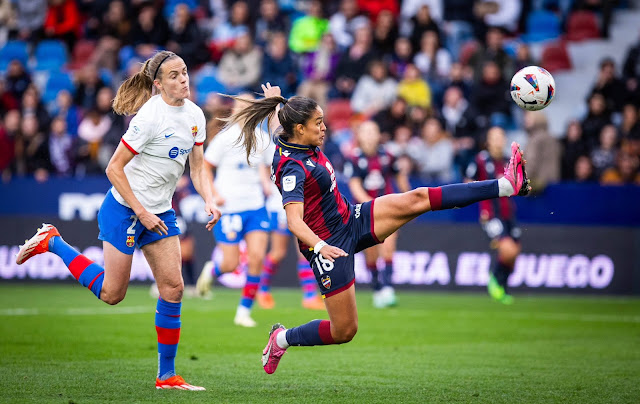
[57, 82]
[13, 50]
[51, 55]
[207, 85]
[541, 25]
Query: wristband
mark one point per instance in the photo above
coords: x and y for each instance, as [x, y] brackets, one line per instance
[319, 246]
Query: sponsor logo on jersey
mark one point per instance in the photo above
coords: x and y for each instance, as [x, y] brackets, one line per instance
[310, 164]
[326, 281]
[288, 183]
[130, 241]
[136, 130]
[286, 153]
[357, 210]
[173, 153]
[194, 130]
[169, 135]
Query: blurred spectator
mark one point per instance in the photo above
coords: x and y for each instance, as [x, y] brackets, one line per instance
[542, 151]
[490, 98]
[596, 119]
[240, 65]
[460, 20]
[416, 117]
[150, 30]
[307, 31]
[414, 89]
[61, 148]
[461, 78]
[400, 57]
[433, 153]
[492, 51]
[630, 125]
[353, 63]
[227, 31]
[7, 150]
[32, 151]
[574, 146]
[523, 58]
[116, 127]
[583, 170]
[390, 118]
[603, 156]
[64, 108]
[278, 65]
[31, 14]
[433, 61]
[63, 21]
[421, 23]
[271, 20]
[344, 23]
[610, 86]
[631, 67]
[401, 143]
[374, 91]
[8, 100]
[625, 171]
[113, 30]
[385, 33]
[32, 105]
[8, 20]
[18, 79]
[373, 8]
[460, 122]
[499, 13]
[88, 84]
[185, 38]
[318, 69]
[411, 8]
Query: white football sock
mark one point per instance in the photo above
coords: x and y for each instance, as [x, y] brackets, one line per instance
[504, 187]
[281, 339]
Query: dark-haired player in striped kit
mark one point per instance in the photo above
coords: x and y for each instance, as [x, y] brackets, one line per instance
[371, 171]
[497, 216]
[329, 229]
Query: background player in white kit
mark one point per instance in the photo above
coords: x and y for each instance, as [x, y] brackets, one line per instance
[136, 211]
[239, 190]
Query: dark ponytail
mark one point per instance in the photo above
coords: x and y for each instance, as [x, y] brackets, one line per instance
[296, 110]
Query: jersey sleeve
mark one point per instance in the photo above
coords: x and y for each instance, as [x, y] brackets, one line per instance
[201, 129]
[215, 150]
[291, 184]
[140, 132]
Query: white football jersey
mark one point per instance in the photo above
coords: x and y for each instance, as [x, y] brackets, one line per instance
[161, 136]
[236, 181]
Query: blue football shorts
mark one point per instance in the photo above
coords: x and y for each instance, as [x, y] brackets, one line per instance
[232, 227]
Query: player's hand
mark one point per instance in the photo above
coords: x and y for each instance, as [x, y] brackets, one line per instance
[270, 91]
[212, 210]
[331, 253]
[153, 223]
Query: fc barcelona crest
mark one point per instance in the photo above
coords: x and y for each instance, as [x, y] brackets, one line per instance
[326, 281]
[130, 241]
[194, 131]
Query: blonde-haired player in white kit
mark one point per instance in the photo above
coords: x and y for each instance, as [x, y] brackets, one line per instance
[136, 211]
[239, 190]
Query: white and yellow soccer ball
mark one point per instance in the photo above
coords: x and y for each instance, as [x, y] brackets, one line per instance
[533, 88]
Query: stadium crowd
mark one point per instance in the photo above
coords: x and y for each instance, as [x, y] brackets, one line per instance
[433, 74]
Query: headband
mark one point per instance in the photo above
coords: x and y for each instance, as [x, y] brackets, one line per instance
[158, 68]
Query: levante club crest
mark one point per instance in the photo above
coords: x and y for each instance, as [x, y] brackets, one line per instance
[326, 281]
[130, 241]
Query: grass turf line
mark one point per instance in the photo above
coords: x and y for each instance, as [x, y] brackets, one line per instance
[59, 344]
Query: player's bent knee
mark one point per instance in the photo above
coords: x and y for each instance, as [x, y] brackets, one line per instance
[112, 298]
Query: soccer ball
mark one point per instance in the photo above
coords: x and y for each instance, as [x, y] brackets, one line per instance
[533, 88]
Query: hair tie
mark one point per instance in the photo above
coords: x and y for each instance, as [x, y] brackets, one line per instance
[285, 101]
[158, 68]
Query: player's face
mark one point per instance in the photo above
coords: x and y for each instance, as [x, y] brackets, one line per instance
[313, 131]
[175, 80]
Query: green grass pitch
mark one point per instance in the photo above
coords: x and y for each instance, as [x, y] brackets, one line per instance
[59, 344]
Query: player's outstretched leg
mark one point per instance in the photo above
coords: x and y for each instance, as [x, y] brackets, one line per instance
[48, 239]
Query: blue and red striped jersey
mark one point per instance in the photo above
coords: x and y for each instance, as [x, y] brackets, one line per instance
[484, 167]
[375, 171]
[303, 174]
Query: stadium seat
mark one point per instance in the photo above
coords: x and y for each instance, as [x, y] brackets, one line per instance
[338, 114]
[555, 57]
[82, 52]
[208, 84]
[56, 82]
[541, 25]
[582, 25]
[50, 55]
[13, 50]
[170, 6]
